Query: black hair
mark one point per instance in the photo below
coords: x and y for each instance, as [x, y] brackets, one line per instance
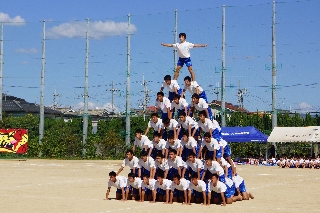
[129, 151]
[156, 134]
[160, 174]
[154, 114]
[170, 136]
[131, 175]
[160, 93]
[159, 155]
[176, 176]
[166, 121]
[183, 34]
[112, 174]
[194, 175]
[144, 153]
[146, 176]
[139, 131]
[195, 95]
[192, 154]
[202, 113]
[185, 133]
[182, 114]
[173, 151]
[187, 78]
[215, 175]
[207, 135]
[209, 158]
[167, 77]
[176, 96]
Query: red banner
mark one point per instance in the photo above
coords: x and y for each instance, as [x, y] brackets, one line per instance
[14, 140]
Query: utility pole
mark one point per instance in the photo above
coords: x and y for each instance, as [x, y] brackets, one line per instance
[223, 80]
[240, 94]
[274, 67]
[128, 87]
[217, 90]
[41, 125]
[1, 68]
[175, 39]
[55, 95]
[113, 90]
[85, 111]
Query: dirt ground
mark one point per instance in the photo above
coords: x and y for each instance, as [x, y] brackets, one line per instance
[79, 186]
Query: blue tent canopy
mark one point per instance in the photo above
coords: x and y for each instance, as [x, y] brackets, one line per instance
[243, 134]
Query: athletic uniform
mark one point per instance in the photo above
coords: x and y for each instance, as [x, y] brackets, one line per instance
[220, 187]
[202, 105]
[171, 87]
[192, 90]
[184, 53]
[157, 147]
[239, 183]
[215, 168]
[121, 182]
[178, 190]
[187, 147]
[174, 165]
[198, 189]
[181, 105]
[156, 126]
[213, 145]
[148, 188]
[176, 145]
[135, 185]
[192, 167]
[146, 166]
[144, 141]
[161, 167]
[162, 188]
[133, 163]
[169, 129]
[163, 106]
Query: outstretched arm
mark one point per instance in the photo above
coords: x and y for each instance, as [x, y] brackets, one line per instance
[166, 45]
[200, 45]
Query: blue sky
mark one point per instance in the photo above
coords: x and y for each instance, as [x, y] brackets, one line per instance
[248, 50]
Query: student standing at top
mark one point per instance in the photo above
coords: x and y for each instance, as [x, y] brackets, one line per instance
[184, 48]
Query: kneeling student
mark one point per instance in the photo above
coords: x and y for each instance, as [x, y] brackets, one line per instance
[179, 189]
[148, 189]
[120, 183]
[222, 193]
[162, 188]
[133, 191]
[199, 191]
[241, 187]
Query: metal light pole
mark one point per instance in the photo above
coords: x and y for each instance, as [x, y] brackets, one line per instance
[175, 39]
[1, 68]
[223, 81]
[128, 87]
[274, 67]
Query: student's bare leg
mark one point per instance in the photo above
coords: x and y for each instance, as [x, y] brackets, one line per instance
[229, 200]
[176, 73]
[118, 196]
[193, 76]
[250, 195]
[245, 196]
[232, 165]
[175, 199]
[149, 197]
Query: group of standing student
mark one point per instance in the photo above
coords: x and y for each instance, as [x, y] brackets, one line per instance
[187, 160]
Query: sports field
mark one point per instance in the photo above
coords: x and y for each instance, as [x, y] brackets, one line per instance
[79, 186]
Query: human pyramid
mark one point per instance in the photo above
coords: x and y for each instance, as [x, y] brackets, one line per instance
[187, 161]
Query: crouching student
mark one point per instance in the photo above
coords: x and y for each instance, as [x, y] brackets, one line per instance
[194, 166]
[120, 183]
[131, 161]
[163, 187]
[221, 192]
[148, 189]
[213, 147]
[173, 144]
[158, 145]
[133, 191]
[189, 144]
[241, 187]
[212, 167]
[197, 191]
[176, 164]
[179, 190]
[141, 141]
[146, 165]
[162, 166]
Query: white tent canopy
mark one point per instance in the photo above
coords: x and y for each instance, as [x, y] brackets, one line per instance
[295, 134]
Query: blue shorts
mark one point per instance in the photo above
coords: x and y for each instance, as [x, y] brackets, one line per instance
[230, 172]
[161, 192]
[148, 191]
[135, 191]
[158, 171]
[197, 194]
[171, 94]
[136, 172]
[185, 153]
[171, 172]
[219, 153]
[228, 193]
[222, 178]
[119, 191]
[166, 133]
[216, 134]
[155, 152]
[242, 187]
[210, 113]
[178, 193]
[164, 115]
[190, 172]
[216, 195]
[144, 172]
[227, 151]
[204, 96]
[182, 61]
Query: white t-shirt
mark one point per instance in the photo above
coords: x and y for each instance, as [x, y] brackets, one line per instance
[148, 164]
[143, 142]
[184, 185]
[176, 145]
[195, 165]
[229, 182]
[176, 163]
[206, 126]
[136, 183]
[189, 121]
[173, 125]
[202, 105]
[170, 87]
[160, 145]
[214, 168]
[224, 162]
[181, 105]
[220, 187]
[134, 163]
[183, 49]
[165, 185]
[201, 187]
[223, 143]
[164, 105]
[216, 125]
[151, 185]
[156, 126]
[163, 166]
[237, 179]
[190, 143]
[121, 182]
[214, 144]
[192, 87]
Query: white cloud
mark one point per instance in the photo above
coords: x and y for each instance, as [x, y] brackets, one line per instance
[16, 21]
[97, 29]
[91, 105]
[29, 51]
[304, 108]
